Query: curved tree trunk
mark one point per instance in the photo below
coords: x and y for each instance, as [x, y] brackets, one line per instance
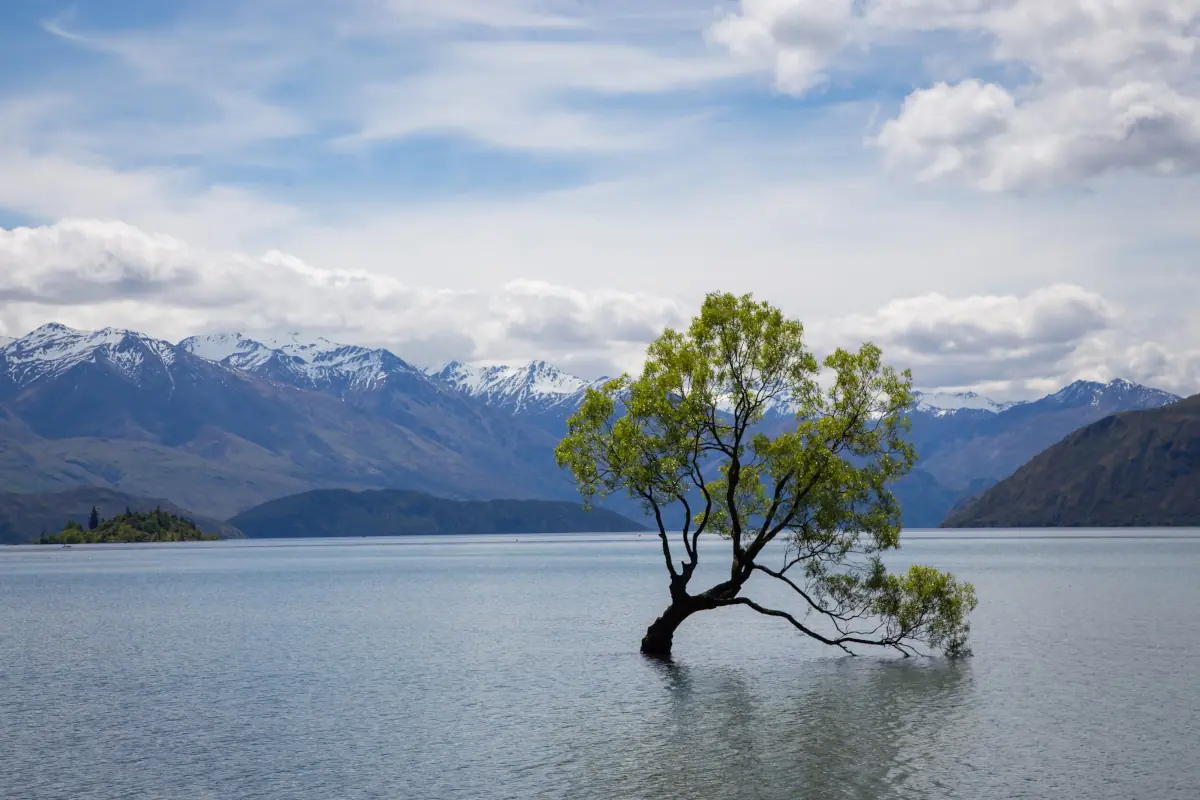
[661, 633]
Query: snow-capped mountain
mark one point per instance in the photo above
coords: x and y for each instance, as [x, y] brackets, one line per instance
[309, 363]
[532, 387]
[250, 421]
[942, 403]
[1126, 395]
[54, 349]
[222, 421]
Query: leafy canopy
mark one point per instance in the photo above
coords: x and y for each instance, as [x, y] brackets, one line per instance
[147, 526]
[692, 433]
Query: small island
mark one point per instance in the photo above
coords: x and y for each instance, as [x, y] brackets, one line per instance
[147, 526]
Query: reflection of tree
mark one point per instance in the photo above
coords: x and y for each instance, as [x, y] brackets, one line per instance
[844, 728]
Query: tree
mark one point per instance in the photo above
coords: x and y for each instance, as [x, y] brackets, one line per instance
[94, 520]
[687, 435]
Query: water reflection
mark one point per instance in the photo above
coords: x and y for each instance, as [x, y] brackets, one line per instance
[853, 728]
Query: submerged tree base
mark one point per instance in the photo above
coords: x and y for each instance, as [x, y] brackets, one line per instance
[660, 636]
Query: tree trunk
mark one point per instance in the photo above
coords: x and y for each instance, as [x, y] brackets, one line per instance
[658, 638]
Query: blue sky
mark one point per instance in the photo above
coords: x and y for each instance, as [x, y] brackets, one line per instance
[1000, 192]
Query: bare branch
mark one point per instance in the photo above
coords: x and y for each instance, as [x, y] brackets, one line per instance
[894, 641]
[662, 533]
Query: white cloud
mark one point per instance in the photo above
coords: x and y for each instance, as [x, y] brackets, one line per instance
[793, 38]
[1095, 86]
[91, 273]
[980, 133]
[668, 179]
[533, 95]
[964, 341]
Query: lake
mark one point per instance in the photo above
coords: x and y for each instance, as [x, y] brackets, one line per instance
[485, 667]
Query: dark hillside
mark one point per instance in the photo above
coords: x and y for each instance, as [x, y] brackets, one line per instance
[339, 512]
[1137, 469]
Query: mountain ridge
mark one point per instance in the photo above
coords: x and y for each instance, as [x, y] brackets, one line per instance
[1137, 468]
[392, 512]
[77, 400]
[223, 422]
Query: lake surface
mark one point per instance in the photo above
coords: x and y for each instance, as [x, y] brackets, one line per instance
[483, 667]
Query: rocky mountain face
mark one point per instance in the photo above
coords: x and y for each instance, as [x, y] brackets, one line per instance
[223, 422]
[1135, 469]
[536, 392]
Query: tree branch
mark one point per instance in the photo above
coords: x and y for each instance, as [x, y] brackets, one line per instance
[896, 641]
[662, 533]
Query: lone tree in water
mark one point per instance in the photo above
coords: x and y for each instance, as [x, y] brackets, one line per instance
[688, 435]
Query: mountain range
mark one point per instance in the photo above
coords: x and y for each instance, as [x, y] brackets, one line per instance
[223, 422]
[1135, 469]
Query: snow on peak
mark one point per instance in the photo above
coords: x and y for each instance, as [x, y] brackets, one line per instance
[1127, 394]
[942, 403]
[317, 363]
[53, 349]
[534, 385]
[222, 346]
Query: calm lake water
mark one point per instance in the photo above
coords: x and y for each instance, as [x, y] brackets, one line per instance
[465, 667]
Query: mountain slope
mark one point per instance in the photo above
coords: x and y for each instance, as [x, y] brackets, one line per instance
[1140, 468]
[223, 422]
[391, 513]
[942, 403]
[118, 409]
[969, 446]
[536, 393]
[24, 516]
[317, 364]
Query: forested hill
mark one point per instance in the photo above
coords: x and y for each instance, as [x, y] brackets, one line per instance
[340, 512]
[130, 526]
[23, 516]
[1138, 469]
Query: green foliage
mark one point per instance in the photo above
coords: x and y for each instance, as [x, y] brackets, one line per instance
[684, 434]
[150, 526]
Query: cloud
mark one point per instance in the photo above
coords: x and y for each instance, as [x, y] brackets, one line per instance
[980, 133]
[512, 14]
[92, 273]
[537, 96]
[793, 38]
[964, 341]
[552, 177]
[1092, 87]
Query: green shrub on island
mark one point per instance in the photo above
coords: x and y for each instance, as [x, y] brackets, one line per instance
[146, 526]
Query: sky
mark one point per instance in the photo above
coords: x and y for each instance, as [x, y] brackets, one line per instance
[1002, 194]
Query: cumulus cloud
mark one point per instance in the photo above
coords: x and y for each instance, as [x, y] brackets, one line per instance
[964, 341]
[94, 274]
[1104, 85]
[793, 38]
[91, 273]
[981, 133]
